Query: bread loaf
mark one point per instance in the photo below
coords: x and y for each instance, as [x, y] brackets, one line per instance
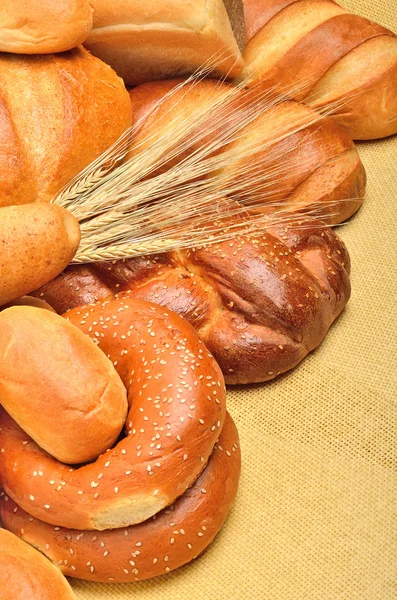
[37, 241]
[146, 41]
[31, 27]
[57, 114]
[317, 52]
[260, 304]
[58, 386]
[25, 574]
[308, 162]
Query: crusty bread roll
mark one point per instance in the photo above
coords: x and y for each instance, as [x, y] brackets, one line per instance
[145, 41]
[58, 386]
[319, 53]
[31, 27]
[25, 574]
[309, 161]
[260, 304]
[37, 241]
[57, 114]
[176, 397]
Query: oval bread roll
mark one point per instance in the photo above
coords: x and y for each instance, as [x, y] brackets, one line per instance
[29, 27]
[25, 574]
[37, 241]
[58, 386]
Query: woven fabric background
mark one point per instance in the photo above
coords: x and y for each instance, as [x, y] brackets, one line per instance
[316, 513]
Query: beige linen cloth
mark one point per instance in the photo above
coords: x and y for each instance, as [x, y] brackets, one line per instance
[316, 513]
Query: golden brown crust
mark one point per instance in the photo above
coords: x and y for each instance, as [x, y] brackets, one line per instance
[58, 386]
[30, 28]
[57, 114]
[260, 304]
[149, 41]
[37, 241]
[170, 539]
[176, 398]
[25, 574]
[303, 46]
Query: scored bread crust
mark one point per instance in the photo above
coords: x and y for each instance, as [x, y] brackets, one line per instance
[322, 54]
[58, 113]
[168, 540]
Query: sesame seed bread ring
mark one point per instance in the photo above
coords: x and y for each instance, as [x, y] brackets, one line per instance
[176, 397]
[25, 574]
[163, 543]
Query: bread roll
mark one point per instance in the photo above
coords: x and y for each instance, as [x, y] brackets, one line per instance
[25, 574]
[319, 53]
[31, 27]
[57, 114]
[37, 241]
[146, 41]
[58, 386]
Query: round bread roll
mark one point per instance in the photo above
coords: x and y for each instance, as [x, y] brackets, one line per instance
[57, 114]
[58, 386]
[25, 574]
[37, 241]
[321, 54]
[168, 540]
[29, 27]
[176, 397]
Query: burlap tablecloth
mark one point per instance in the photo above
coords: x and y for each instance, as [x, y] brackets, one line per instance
[316, 513]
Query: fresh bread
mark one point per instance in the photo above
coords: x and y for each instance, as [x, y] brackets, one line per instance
[317, 52]
[176, 396]
[306, 162]
[31, 27]
[25, 574]
[174, 537]
[58, 386]
[57, 114]
[37, 241]
[146, 41]
[260, 304]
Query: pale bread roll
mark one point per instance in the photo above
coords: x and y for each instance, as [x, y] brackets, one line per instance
[58, 385]
[31, 27]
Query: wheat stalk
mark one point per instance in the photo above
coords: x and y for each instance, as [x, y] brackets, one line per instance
[130, 205]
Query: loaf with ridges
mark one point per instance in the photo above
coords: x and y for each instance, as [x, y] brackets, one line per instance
[324, 55]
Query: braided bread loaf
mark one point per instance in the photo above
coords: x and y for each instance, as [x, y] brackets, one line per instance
[260, 304]
[324, 55]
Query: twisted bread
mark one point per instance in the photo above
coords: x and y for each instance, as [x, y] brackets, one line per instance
[57, 114]
[307, 161]
[166, 541]
[324, 55]
[27, 27]
[260, 304]
[25, 574]
[176, 399]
